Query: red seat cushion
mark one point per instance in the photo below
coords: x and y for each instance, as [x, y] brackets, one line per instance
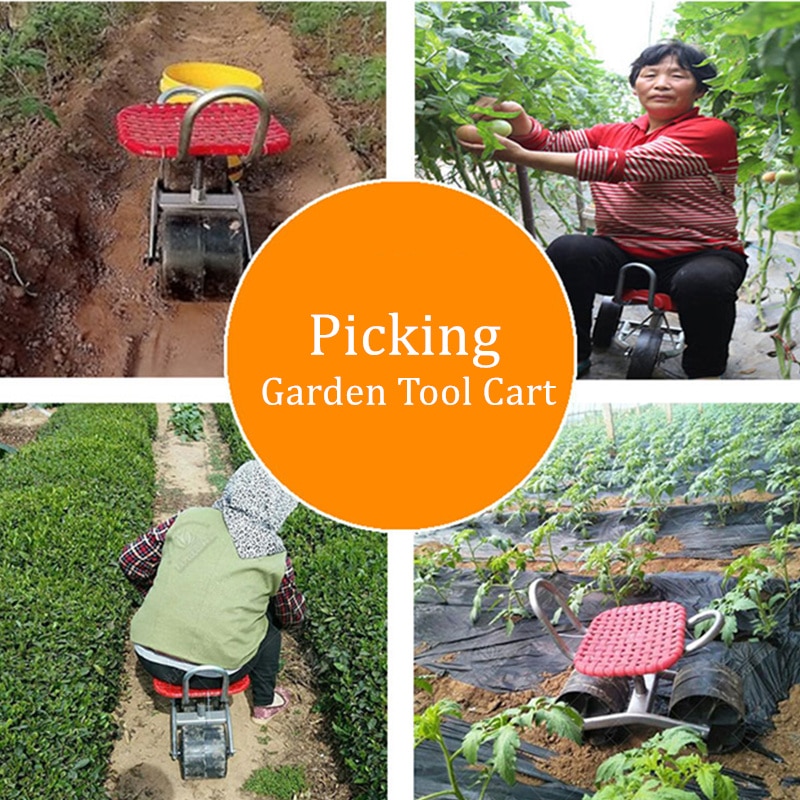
[174, 690]
[633, 640]
[640, 296]
[221, 129]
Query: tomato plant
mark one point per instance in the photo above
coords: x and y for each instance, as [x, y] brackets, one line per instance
[502, 731]
[661, 768]
[756, 49]
[534, 54]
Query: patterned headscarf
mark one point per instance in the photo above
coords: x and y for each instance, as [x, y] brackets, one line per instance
[254, 507]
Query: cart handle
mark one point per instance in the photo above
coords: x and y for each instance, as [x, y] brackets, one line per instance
[535, 591]
[222, 93]
[204, 668]
[651, 283]
[176, 90]
[718, 620]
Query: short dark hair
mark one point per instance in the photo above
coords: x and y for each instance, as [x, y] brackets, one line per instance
[687, 55]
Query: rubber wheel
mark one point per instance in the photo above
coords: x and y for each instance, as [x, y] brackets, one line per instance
[595, 697]
[204, 752]
[645, 353]
[606, 323]
[202, 255]
[711, 694]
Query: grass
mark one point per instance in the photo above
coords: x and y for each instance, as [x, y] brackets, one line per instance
[343, 44]
[46, 42]
[279, 783]
[361, 78]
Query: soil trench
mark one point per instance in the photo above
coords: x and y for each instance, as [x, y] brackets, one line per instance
[76, 217]
[191, 473]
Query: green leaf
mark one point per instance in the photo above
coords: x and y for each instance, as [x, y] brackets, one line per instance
[505, 754]
[612, 768]
[673, 740]
[706, 779]
[785, 218]
[472, 741]
[516, 44]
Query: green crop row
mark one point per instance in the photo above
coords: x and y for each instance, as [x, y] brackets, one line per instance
[69, 502]
[342, 573]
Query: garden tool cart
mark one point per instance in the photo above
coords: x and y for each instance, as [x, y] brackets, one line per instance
[648, 342]
[201, 733]
[199, 238]
[625, 653]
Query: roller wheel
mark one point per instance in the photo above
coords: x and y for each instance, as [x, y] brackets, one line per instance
[645, 353]
[606, 323]
[594, 697]
[202, 255]
[203, 752]
[711, 694]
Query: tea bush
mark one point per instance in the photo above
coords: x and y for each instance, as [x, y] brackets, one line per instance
[69, 502]
[342, 573]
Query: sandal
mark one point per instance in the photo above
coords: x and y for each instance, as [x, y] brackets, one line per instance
[263, 713]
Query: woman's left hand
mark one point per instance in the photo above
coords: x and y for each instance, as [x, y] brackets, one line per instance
[512, 151]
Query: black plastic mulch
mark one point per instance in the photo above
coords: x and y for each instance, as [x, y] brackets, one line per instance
[696, 526]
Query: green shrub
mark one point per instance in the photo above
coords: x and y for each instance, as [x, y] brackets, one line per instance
[229, 430]
[69, 502]
[337, 568]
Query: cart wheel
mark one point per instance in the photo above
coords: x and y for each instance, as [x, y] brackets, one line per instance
[203, 751]
[711, 694]
[606, 323]
[645, 353]
[595, 697]
[202, 255]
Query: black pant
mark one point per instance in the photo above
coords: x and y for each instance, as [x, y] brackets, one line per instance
[703, 287]
[262, 668]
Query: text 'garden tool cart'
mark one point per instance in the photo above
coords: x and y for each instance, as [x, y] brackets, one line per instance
[625, 653]
[198, 235]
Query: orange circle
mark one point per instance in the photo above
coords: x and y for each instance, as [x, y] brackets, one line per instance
[400, 355]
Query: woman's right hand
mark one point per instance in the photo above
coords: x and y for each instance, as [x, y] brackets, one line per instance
[521, 125]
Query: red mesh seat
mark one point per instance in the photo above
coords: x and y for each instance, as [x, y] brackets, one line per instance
[640, 296]
[221, 129]
[175, 691]
[633, 640]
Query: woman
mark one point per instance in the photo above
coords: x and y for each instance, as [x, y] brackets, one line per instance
[218, 587]
[663, 188]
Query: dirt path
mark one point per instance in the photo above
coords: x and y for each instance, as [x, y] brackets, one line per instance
[76, 216]
[141, 768]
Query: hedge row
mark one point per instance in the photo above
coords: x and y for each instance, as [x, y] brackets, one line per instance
[69, 502]
[343, 574]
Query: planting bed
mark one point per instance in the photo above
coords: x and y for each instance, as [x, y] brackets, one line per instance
[688, 504]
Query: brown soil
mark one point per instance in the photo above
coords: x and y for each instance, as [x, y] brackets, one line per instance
[141, 767]
[74, 214]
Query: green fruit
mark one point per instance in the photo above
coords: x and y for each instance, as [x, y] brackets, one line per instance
[787, 177]
[500, 127]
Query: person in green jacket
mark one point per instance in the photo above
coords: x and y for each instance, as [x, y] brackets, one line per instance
[218, 588]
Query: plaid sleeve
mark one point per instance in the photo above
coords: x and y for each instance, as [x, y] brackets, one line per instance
[140, 559]
[289, 604]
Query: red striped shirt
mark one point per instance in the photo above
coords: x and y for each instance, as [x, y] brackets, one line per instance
[659, 194]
